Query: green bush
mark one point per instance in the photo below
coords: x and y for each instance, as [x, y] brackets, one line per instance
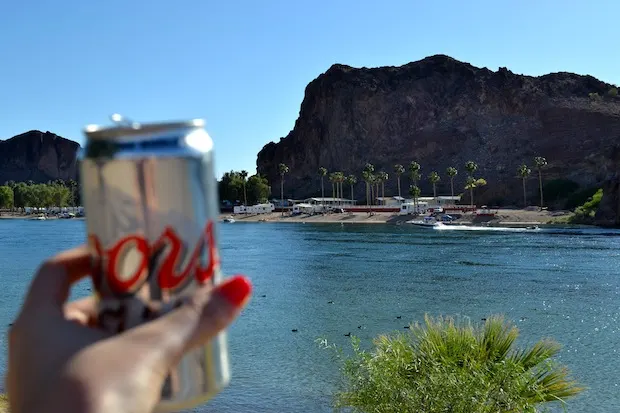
[446, 366]
[585, 213]
[613, 92]
[579, 198]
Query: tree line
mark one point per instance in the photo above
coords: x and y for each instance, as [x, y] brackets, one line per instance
[56, 193]
[236, 187]
[375, 180]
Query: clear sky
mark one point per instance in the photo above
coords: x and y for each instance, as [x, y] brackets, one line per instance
[243, 65]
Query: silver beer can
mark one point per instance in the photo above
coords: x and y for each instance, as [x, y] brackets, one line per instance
[151, 204]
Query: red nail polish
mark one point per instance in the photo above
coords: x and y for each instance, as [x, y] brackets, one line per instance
[236, 290]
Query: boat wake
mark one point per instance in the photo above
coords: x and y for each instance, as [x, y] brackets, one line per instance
[476, 228]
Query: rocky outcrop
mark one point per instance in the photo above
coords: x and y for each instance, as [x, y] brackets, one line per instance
[38, 156]
[442, 112]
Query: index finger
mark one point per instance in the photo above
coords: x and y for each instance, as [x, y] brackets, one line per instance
[52, 282]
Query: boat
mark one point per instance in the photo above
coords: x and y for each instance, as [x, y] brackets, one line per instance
[426, 222]
[229, 220]
[39, 217]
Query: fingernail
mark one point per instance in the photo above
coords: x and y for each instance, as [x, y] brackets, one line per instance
[236, 290]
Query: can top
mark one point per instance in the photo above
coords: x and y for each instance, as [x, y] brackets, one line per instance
[125, 128]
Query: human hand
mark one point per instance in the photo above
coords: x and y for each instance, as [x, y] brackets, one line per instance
[59, 361]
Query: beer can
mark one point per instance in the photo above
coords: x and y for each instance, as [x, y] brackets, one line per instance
[151, 204]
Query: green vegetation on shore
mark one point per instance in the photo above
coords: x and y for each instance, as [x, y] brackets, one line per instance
[28, 194]
[234, 187]
[447, 366]
[584, 214]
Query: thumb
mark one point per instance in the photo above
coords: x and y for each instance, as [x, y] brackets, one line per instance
[207, 312]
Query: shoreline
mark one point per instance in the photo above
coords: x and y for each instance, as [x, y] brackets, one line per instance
[503, 217]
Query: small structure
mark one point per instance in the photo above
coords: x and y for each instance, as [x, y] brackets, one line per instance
[330, 201]
[254, 209]
[305, 208]
[408, 208]
[391, 201]
[440, 201]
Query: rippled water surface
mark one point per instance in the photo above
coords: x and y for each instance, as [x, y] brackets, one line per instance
[328, 280]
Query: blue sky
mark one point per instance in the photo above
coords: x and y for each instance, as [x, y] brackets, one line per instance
[243, 65]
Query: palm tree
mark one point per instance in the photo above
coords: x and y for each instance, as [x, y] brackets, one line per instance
[399, 170]
[471, 167]
[244, 174]
[451, 172]
[414, 172]
[433, 178]
[540, 163]
[283, 169]
[332, 180]
[524, 173]
[322, 173]
[351, 180]
[415, 192]
[367, 175]
[381, 178]
[472, 183]
[340, 180]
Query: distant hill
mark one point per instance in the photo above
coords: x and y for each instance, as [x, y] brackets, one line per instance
[442, 112]
[38, 156]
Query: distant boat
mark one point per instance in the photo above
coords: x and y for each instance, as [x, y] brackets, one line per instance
[426, 222]
[40, 217]
[229, 220]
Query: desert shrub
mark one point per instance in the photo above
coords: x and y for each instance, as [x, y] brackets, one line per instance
[448, 366]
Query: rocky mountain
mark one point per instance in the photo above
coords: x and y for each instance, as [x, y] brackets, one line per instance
[38, 156]
[442, 112]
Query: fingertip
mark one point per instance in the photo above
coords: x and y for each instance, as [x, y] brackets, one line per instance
[236, 290]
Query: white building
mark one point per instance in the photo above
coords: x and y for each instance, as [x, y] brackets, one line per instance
[329, 201]
[254, 209]
[440, 201]
[391, 201]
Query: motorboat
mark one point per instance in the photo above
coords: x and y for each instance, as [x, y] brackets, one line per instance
[39, 217]
[426, 222]
[229, 220]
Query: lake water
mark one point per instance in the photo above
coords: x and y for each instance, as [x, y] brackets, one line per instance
[562, 284]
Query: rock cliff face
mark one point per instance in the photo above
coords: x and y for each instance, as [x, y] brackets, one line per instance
[38, 156]
[441, 112]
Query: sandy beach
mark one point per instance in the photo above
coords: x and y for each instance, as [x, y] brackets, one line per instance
[509, 217]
